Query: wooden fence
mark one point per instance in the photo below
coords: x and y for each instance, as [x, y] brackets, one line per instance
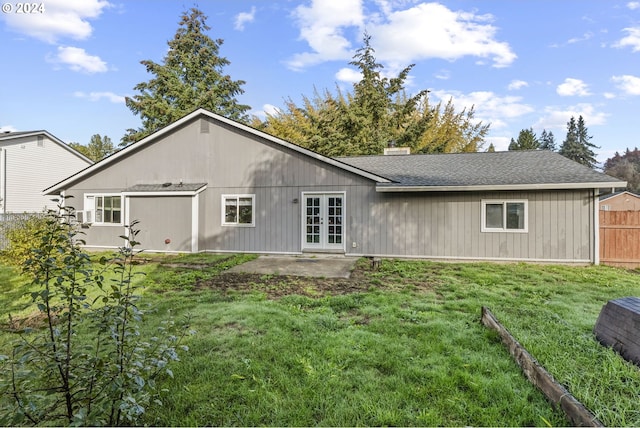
[620, 238]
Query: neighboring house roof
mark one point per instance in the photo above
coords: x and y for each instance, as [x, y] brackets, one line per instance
[191, 116]
[611, 195]
[512, 170]
[8, 136]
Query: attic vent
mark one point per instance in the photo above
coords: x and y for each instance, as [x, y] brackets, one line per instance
[397, 151]
[40, 141]
[204, 126]
[166, 184]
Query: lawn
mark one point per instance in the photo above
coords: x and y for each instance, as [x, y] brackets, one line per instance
[401, 345]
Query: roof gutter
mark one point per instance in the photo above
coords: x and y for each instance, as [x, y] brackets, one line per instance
[382, 188]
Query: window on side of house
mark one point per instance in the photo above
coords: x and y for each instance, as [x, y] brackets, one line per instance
[238, 210]
[103, 209]
[504, 216]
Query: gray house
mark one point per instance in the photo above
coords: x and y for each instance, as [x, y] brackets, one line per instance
[29, 162]
[206, 183]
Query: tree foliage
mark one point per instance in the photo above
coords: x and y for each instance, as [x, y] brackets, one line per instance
[625, 167]
[547, 141]
[527, 140]
[88, 364]
[98, 148]
[376, 114]
[576, 145]
[191, 76]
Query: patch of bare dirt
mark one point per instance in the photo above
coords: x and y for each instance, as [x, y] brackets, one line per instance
[278, 286]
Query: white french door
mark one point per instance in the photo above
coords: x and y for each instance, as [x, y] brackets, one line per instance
[323, 221]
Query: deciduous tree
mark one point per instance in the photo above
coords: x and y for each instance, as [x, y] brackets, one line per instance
[98, 148]
[376, 114]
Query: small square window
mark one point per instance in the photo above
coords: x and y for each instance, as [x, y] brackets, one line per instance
[238, 210]
[504, 216]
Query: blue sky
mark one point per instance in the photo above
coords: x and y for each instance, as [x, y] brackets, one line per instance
[68, 65]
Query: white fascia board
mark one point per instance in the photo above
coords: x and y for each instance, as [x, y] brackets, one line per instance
[478, 188]
[166, 193]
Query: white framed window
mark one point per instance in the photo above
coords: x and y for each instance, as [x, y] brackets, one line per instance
[504, 216]
[103, 209]
[238, 210]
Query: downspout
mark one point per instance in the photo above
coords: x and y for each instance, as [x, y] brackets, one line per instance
[195, 222]
[596, 227]
[3, 181]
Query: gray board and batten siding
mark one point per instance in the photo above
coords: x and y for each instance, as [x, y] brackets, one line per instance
[381, 214]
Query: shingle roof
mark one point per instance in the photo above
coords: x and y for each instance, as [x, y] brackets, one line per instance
[515, 168]
[166, 187]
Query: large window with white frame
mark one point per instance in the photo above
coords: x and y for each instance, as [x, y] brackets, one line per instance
[103, 209]
[238, 210]
[504, 215]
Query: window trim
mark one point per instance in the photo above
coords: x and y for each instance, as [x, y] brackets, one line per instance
[223, 204]
[93, 208]
[504, 202]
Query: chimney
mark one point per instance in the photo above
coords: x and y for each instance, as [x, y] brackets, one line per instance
[389, 151]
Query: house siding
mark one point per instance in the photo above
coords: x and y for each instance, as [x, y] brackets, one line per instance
[170, 231]
[448, 225]
[27, 168]
[410, 224]
[230, 162]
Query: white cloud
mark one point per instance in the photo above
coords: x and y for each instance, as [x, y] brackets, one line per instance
[270, 109]
[514, 85]
[630, 85]
[632, 39]
[633, 5]
[500, 144]
[488, 107]
[61, 18]
[573, 87]
[399, 36]
[243, 18]
[348, 75]
[584, 37]
[322, 26]
[7, 128]
[78, 60]
[431, 30]
[97, 96]
[443, 75]
[557, 118]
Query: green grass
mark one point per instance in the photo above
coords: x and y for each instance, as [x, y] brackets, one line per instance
[409, 349]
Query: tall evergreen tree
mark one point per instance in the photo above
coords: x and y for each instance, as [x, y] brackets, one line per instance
[191, 76]
[577, 146]
[547, 141]
[527, 140]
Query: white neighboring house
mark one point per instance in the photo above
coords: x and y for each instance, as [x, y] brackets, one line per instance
[31, 161]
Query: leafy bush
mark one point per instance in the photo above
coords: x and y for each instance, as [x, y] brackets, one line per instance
[89, 365]
[21, 235]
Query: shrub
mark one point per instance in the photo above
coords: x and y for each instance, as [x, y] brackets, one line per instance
[89, 365]
[21, 235]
